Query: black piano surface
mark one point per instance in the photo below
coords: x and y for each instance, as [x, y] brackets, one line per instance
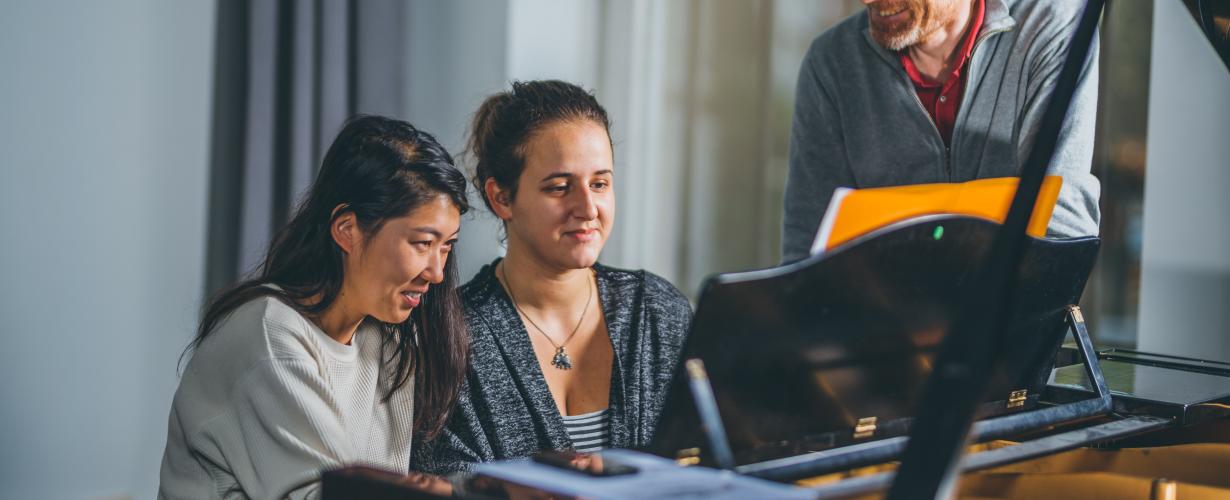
[798, 355]
[1190, 391]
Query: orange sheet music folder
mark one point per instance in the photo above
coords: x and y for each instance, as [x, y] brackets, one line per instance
[855, 212]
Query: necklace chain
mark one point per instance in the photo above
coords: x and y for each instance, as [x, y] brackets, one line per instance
[559, 348]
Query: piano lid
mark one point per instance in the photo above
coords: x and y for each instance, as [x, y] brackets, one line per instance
[835, 349]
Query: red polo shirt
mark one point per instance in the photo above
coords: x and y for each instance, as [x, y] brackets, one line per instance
[942, 99]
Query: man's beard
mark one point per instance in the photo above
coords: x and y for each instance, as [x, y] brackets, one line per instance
[897, 35]
[898, 40]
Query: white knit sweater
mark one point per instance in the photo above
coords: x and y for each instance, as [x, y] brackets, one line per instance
[268, 401]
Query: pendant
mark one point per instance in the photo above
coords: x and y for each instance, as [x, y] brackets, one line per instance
[561, 360]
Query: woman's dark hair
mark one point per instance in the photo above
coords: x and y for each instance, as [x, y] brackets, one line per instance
[378, 169]
[506, 121]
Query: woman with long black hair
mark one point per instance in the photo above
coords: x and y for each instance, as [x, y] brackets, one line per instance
[347, 345]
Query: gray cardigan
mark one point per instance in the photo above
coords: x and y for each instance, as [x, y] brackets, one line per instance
[506, 410]
[858, 121]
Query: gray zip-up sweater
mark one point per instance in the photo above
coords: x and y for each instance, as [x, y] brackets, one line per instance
[506, 410]
[858, 121]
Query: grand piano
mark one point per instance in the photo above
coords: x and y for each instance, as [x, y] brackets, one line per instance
[938, 357]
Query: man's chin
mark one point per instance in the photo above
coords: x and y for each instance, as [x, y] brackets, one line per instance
[895, 41]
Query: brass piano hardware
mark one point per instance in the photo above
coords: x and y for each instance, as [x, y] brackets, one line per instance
[865, 427]
[688, 456]
[1164, 489]
[1016, 399]
[1076, 313]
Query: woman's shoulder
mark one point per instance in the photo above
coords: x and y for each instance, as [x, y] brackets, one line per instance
[486, 315]
[480, 290]
[268, 314]
[657, 310]
[644, 285]
[249, 341]
[262, 328]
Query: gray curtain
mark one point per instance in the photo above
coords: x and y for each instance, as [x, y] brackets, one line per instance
[287, 74]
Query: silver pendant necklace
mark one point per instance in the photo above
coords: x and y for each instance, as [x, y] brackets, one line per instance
[561, 359]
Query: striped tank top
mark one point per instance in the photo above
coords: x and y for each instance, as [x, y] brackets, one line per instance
[589, 432]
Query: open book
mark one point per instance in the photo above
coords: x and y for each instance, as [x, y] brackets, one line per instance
[855, 212]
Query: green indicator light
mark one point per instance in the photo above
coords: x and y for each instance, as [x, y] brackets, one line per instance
[939, 233]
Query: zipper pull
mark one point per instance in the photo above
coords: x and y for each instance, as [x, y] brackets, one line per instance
[948, 162]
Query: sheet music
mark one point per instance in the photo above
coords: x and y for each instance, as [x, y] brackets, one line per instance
[657, 478]
[830, 217]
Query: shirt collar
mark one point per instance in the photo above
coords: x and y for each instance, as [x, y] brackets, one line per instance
[963, 51]
[997, 17]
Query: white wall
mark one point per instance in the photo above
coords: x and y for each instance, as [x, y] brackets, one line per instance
[104, 113]
[549, 39]
[456, 59]
[1185, 255]
[462, 51]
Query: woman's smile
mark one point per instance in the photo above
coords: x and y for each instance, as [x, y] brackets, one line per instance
[584, 235]
[412, 298]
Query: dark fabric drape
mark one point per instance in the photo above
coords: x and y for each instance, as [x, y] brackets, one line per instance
[287, 74]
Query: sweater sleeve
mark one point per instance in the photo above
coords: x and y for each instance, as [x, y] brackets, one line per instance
[1076, 212]
[817, 162]
[283, 428]
[452, 451]
[670, 318]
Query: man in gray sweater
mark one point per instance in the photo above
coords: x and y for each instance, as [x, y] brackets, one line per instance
[926, 91]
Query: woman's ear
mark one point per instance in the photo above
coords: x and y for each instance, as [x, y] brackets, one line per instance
[345, 230]
[500, 200]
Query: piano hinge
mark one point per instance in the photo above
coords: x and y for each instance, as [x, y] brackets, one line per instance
[688, 456]
[1164, 489]
[865, 427]
[1016, 399]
